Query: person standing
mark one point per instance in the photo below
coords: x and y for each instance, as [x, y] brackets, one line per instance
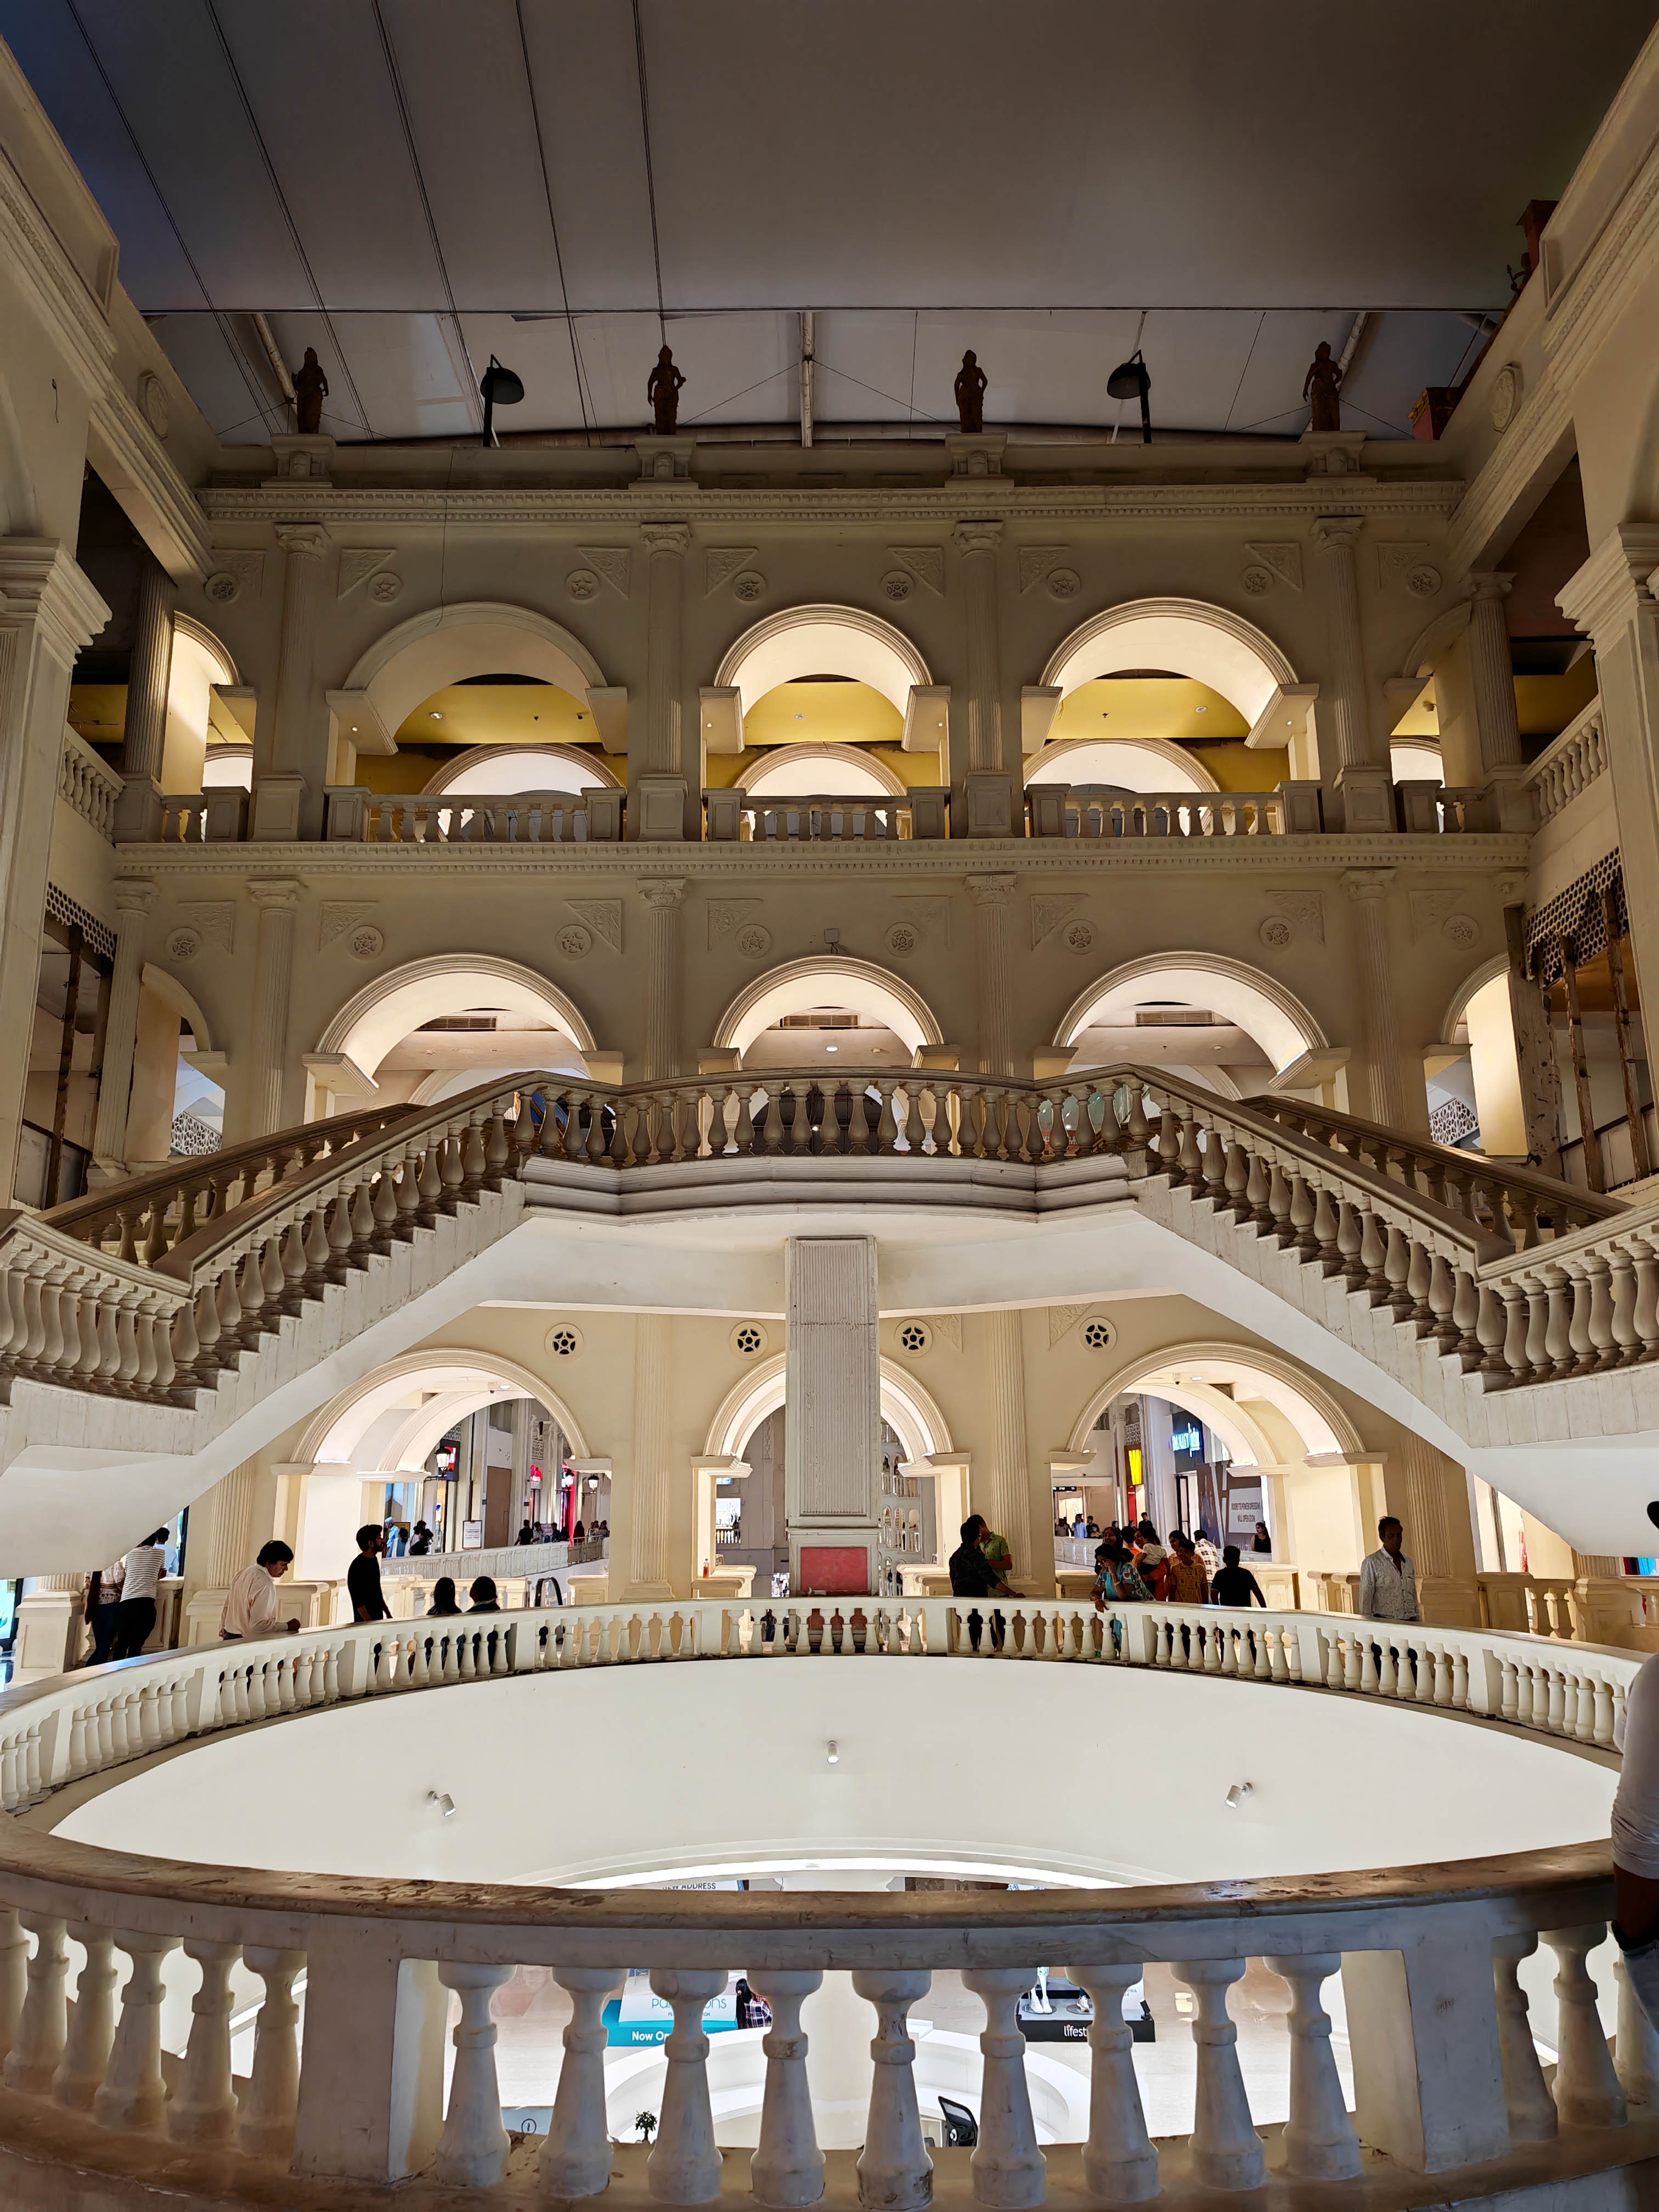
[999, 1558]
[250, 1607]
[421, 1543]
[971, 1573]
[1636, 1837]
[1388, 1579]
[363, 1576]
[1185, 1582]
[140, 1577]
[1233, 1584]
[103, 1596]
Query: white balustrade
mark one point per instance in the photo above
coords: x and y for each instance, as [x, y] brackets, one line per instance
[133, 2093]
[575, 2160]
[203, 2107]
[1119, 2163]
[1587, 2091]
[894, 2171]
[37, 2050]
[1010, 2172]
[1319, 2138]
[685, 2165]
[92, 2030]
[787, 2172]
[1226, 2151]
[472, 2148]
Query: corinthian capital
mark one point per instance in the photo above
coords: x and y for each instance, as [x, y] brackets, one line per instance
[990, 890]
[673, 538]
[275, 893]
[134, 894]
[663, 892]
[977, 535]
[1334, 533]
[309, 539]
[1364, 884]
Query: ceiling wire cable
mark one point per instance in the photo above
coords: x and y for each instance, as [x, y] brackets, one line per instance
[576, 363]
[1118, 418]
[650, 176]
[266, 411]
[474, 398]
[915, 331]
[893, 398]
[287, 214]
[1244, 372]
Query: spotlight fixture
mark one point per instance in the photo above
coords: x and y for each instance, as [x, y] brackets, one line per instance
[1236, 1795]
[1129, 381]
[832, 1752]
[500, 387]
[442, 1799]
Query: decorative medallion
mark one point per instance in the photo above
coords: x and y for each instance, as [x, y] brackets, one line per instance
[1424, 582]
[384, 587]
[1461, 930]
[748, 587]
[1276, 933]
[575, 942]
[1063, 583]
[1257, 582]
[153, 399]
[222, 587]
[565, 1341]
[1078, 936]
[914, 1337]
[750, 1339]
[582, 583]
[366, 942]
[753, 940]
[1506, 390]
[898, 584]
[184, 944]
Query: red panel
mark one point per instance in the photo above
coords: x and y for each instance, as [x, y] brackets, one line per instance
[834, 1570]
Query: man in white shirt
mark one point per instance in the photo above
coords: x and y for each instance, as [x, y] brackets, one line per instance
[250, 1608]
[135, 1617]
[1387, 1580]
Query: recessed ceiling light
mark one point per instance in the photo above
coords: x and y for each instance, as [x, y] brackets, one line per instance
[1201, 710]
[436, 716]
[800, 718]
[832, 1047]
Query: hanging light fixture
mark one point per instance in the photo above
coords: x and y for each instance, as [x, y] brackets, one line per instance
[1129, 381]
[500, 387]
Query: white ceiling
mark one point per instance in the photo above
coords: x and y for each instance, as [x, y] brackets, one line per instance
[394, 181]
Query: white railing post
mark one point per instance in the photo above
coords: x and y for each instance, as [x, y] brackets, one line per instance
[472, 2148]
[372, 2060]
[91, 2032]
[894, 2171]
[133, 2093]
[13, 1976]
[267, 2126]
[787, 2171]
[1319, 2138]
[684, 2164]
[1587, 2091]
[37, 2050]
[1531, 2107]
[1010, 2173]
[575, 2160]
[203, 2107]
[1226, 2150]
[1119, 2163]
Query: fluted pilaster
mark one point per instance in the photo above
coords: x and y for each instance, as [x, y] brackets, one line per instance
[145, 730]
[135, 898]
[663, 897]
[990, 895]
[1368, 887]
[1343, 719]
[1006, 1502]
[649, 1503]
[1494, 678]
[277, 897]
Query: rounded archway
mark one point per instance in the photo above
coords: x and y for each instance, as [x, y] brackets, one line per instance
[803, 641]
[827, 984]
[1199, 1377]
[500, 769]
[390, 1419]
[446, 645]
[909, 1410]
[1131, 764]
[1187, 637]
[439, 1026]
[837, 771]
[1174, 1006]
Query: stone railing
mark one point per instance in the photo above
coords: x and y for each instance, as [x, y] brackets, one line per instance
[87, 785]
[1577, 759]
[1447, 2076]
[815, 818]
[358, 817]
[1454, 1271]
[1100, 810]
[503, 1563]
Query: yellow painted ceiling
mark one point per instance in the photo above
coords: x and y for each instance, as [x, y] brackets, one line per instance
[823, 714]
[1176, 708]
[1544, 705]
[98, 712]
[499, 714]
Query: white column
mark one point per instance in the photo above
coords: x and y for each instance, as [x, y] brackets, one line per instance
[138, 813]
[832, 1386]
[287, 787]
[575, 2160]
[990, 895]
[1006, 1497]
[134, 897]
[48, 611]
[1389, 1100]
[685, 2165]
[663, 897]
[656, 779]
[987, 789]
[1494, 678]
[260, 1097]
[650, 1486]
[1352, 763]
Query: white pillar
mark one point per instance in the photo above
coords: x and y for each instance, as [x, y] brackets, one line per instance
[684, 2164]
[1007, 1495]
[1389, 1100]
[649, 1489]
[987, 789]
[1319, 2138]
[575, 2160]
[261, 1098]
[657, 780]
[894, 2171]
[1494, 678]
[663, 897]
[1010, 2173]
[1350, 762]
[288, 788]
[138, 812]
[135, 897]
[1226, 2150]
[787, 2171]
[990, 895]
[832, 1385]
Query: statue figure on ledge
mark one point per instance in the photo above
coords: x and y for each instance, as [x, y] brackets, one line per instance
[310, 390]
[970, 395]
[1320, 386]
[663, 390]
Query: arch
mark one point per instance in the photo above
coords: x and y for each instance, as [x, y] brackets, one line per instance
[841, 771]
[368, 1025]
[212, 647]
[1130, 764]
[1318, 1420]
[908, 1408]
[463, 1381]
[1188, 637]
[1264, 1009]
[170, 988]
[479, 637]
[822, 639]
[822, 980]
[500, 769]
[1476, 980]
[1416, 760]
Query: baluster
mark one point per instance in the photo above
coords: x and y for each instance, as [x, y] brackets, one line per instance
[1226, 2150]
[266, 2128]
[92, 2030]
[787, 2171]
[575, 2160]
[37, 2049]
[13, 1976]
[894, 2171]
[133, 2094]
[685, 2165]
[203, 2105]
[472, 2148]
[1009, 2171]
[1119, 2163]
[1319, 2138]
[1532, 2112]
[1587, 2091]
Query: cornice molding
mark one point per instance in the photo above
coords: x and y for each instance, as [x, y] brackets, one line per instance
[1598, 290]
[1544, 418]
[41, 581]
[1613, 581]
[76, 317]
[118, 421]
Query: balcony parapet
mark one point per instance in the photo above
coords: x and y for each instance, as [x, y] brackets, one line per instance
[1446, 1941]
[1576, 760]
[86, 786]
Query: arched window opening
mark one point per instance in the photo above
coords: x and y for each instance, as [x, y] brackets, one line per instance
[443, 1026]
[1213, 1021]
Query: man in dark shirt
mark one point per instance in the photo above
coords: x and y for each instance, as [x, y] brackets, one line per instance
[1235, 1585]
[363, 1576]
[972, 1574]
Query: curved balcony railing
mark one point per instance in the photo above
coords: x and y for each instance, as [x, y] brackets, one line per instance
[1508, 1274]
[1447, 2076]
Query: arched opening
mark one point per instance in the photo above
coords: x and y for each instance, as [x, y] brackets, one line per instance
[441, 1026]
[1162, 695]
[203, 744]
[742, 1511]
[1474, 1076]
[823, 693]
[468, 1445]
[1212, 1020]
[482, 687]
[841, 771]
[1232, 1444]
[836, 1011]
